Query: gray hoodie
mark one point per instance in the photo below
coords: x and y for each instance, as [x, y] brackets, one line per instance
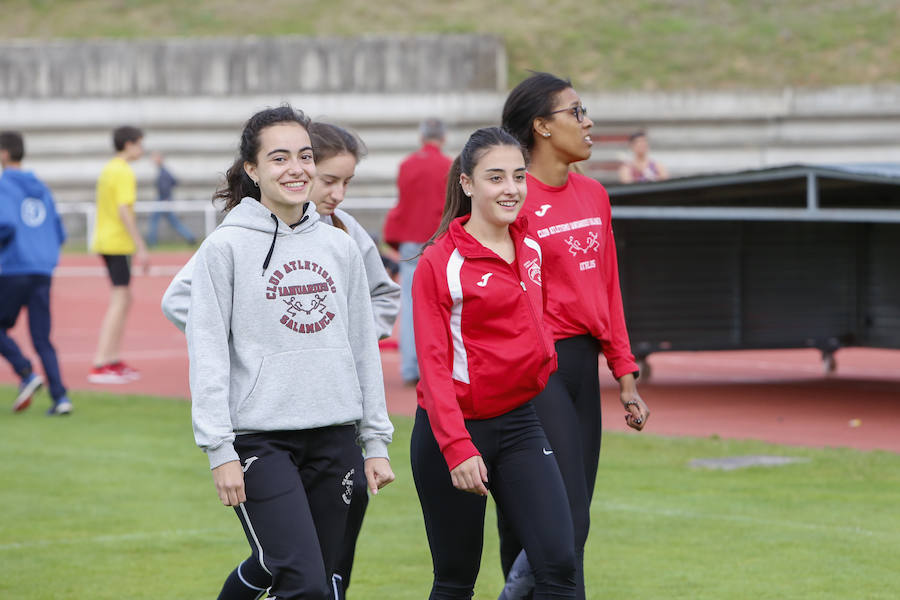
[383, 291]
[281, 333]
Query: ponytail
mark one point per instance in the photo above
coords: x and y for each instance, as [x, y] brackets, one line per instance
[336, 221]
[237, 185]
[457, 203]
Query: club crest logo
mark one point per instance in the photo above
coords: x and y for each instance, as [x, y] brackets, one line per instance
[347, 483]
[304, 290]
[590, 243]
[33, 212]
[533, 268]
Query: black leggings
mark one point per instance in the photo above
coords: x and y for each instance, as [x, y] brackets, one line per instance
[299, 486]
[569, 409]
[249, 581]
[524, 480]
[347, 551]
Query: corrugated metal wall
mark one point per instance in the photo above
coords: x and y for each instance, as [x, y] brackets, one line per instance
[880, 323]
[705, 285]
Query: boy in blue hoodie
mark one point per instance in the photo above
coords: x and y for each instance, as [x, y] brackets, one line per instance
[31, 234]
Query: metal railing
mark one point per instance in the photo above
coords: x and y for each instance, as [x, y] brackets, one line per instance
[210, 212]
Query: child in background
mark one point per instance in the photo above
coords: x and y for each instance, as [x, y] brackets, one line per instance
[116, 239]
[31, 234]
[165, 183]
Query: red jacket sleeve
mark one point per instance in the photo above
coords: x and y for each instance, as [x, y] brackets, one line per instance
[434, 350]
[616, 349]
[392, 230]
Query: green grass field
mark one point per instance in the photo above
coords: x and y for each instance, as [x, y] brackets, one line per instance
[117, 502]
[601, 44]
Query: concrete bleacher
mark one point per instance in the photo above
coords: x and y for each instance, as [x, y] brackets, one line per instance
[199, 138]
[197, 129]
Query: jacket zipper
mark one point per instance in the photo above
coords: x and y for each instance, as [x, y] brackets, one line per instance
[537, 324]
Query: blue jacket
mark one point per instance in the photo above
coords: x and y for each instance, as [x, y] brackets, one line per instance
[31, 231]
[165, 183]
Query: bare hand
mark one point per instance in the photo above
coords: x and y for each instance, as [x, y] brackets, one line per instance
[229, 480]
[636, 412]
[470, 476]
[142, 258]
[378, 473]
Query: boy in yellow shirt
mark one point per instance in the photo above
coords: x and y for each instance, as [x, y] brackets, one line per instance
[116, 238]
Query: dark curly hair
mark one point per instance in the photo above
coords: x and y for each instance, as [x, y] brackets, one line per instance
[237, 183]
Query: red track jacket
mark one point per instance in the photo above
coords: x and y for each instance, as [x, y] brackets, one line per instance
[581, 275]
[481, 343]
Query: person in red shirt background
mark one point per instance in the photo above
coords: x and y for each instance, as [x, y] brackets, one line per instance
[484, 354]
[421, 183]
[569, 214]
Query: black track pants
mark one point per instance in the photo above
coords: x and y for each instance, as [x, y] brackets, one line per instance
[569, 409]
[357, 511]
[249, 580]
[524, 480]
[299, 485]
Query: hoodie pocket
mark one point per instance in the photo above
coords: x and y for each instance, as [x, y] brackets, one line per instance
[302, 389]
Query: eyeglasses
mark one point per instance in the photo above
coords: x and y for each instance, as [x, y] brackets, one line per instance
[579, 112]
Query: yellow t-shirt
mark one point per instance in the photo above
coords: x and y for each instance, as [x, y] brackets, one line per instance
[116, 186]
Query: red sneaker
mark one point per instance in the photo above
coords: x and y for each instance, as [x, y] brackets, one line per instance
[106, 374]
[129, 373]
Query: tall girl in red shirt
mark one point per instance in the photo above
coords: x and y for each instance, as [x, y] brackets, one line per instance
[569, 214]
[483, 354]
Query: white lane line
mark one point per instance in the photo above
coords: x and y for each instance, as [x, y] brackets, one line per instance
[741, 363]
[706, 516]
[99, 271]
[738, 363]
[135, 355]
[114, 538]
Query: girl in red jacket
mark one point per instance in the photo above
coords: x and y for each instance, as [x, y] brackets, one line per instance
[483, 354]
[570, 215]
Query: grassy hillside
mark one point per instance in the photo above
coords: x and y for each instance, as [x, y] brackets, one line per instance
[601, 44]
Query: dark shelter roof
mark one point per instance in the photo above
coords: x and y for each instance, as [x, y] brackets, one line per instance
[868, 192]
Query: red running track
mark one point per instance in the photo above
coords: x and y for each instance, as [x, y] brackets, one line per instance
[779, 396]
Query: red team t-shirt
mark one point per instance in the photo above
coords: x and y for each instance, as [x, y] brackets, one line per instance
[573, 226]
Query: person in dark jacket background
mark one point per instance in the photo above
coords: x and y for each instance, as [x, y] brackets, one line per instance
[31, 234]
[165, 183]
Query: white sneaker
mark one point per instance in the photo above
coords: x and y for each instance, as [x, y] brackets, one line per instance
[26, 392]
[61, 407]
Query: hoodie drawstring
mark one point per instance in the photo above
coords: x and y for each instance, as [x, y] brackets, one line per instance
[275, 235]
[271, 248]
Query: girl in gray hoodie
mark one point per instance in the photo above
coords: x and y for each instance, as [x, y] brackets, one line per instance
[285, 372]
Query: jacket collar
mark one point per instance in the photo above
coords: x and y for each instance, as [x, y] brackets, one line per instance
[469, 247]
